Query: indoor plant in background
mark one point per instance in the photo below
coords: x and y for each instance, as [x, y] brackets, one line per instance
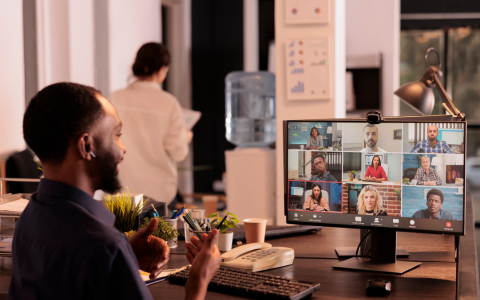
[225, 238]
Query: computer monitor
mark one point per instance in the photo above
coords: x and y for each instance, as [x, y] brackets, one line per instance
[398, 175]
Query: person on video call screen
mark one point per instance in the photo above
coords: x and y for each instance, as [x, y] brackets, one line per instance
[431, 144]
[426, 175]
[434, 207]
[321, 165]
[370, 136]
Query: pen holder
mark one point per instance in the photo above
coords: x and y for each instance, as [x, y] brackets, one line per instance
[197, 215]
[198, 234]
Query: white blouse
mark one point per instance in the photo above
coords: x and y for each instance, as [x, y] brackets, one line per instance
[154, 133]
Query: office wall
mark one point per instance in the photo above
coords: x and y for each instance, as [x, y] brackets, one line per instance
[12, 88]
[313, 109]
[131, 24]
[65, 42]
[373, 26]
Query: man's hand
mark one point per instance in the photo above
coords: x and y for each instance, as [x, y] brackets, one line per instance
[205, 260]
[152, 253]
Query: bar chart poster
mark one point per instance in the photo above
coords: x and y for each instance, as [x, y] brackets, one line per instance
[307, 69]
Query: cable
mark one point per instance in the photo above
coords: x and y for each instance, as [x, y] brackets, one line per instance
[368, 233]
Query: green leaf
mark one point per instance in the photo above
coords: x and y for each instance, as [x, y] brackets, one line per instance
[213, 215]
[234, 220]
[232, 215]
[231, 226]
[223, 228]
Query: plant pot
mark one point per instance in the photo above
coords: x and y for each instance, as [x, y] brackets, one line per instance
[350, 175]
[172, 243]
[225, 241]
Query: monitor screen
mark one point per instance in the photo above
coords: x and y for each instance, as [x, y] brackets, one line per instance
[404, 176]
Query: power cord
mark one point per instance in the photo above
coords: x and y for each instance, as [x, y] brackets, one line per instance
[360, 244]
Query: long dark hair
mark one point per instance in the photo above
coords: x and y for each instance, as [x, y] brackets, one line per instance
[314, 128]
[150, 58]
[319, 196]
[379, 161]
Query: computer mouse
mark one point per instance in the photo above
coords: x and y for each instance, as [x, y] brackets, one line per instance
[378, 287]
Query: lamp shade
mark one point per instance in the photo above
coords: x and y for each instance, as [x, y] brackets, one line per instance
[418, 96]
[329, 130]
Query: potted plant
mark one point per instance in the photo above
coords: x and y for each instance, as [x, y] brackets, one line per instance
[406, 181]
[398, 193]
[225, 238]
[336, 147]
[353, 174]
[123, 207]
[165, 231]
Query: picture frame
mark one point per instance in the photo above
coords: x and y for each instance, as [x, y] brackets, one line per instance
[397, 134]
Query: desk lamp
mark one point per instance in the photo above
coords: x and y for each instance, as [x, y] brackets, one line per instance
[419, 94]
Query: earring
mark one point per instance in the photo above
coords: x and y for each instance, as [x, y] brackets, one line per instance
[91, 153]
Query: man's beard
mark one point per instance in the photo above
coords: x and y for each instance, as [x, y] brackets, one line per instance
[107, 169]
[431, 139]
[373, 145]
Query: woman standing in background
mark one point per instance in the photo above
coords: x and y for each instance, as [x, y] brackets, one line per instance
[153, 126]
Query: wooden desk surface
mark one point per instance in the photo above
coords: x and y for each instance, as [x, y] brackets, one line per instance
[314, 255]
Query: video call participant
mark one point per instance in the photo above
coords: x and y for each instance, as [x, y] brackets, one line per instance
[375, 170]
[370, 136]
[321, 165]
[316, 201]
[314, 141]
[434, 207]
[65, 245]
[370, 202]
[432, 145]
[426, 175]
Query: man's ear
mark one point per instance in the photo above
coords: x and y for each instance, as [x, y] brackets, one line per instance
[85, 145]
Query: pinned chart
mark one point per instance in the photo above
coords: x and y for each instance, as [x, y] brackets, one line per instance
[307, 11]
[307, 69]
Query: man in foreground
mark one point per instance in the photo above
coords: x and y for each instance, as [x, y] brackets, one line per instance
[431, 144]
[434, 207]
[65, 245]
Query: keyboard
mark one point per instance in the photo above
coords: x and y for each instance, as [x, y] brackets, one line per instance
[244, 283]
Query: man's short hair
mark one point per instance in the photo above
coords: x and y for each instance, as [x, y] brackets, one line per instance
[370, 125]
[317, 156]
[435, 192]
[56, 115]
[432, 125]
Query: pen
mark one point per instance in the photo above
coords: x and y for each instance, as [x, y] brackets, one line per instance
[208, 224]
[173, 214]
[180, 212]
[223, 220]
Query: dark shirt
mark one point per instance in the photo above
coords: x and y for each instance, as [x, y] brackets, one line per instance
[442, 214]
[325, 177]
[65, 247]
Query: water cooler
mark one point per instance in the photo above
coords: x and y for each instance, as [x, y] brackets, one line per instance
[250, 124]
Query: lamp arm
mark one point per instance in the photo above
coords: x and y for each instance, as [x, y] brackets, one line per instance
[447, 102]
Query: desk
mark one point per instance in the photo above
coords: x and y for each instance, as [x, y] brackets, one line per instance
[314, 256]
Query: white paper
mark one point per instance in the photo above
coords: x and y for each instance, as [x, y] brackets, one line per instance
[164, 273]
[14, 206]
[191, 117]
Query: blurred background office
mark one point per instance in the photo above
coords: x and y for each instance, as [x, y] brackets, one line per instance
[375, 46]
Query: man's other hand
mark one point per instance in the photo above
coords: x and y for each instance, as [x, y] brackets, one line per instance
[205, 260]
[152, 253]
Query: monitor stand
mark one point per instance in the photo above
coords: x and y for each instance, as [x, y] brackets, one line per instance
[383, 258]
[347, 252]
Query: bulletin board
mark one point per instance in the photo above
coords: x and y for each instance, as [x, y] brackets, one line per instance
[307, 11]
[307, 69]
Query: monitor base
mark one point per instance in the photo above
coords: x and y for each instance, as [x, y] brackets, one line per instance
[347, 252]
[365, 264]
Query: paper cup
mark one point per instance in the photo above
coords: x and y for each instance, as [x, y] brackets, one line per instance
[255, 230]
[210, 204]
